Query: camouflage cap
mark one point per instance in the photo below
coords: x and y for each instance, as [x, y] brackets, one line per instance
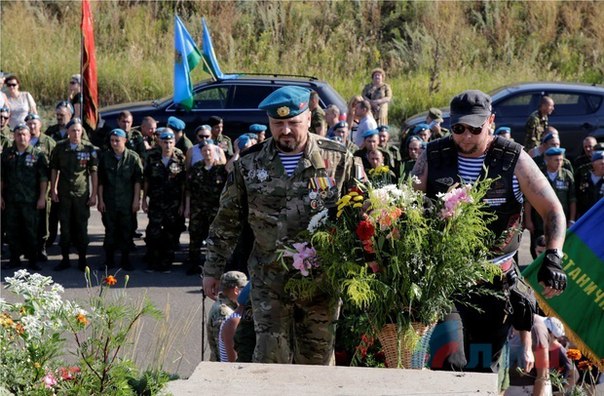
[233, 278]
[435, 114]
[286, 102]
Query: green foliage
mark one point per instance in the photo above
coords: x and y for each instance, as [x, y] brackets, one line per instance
[430, 50]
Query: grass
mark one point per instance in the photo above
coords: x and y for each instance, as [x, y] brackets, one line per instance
[430, 50]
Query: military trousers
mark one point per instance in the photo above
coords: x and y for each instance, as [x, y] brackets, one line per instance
[163, 228]
[199, 226]
[43, 217]
[22, 228]
[73, 217]
[288, 330]
[118, 228]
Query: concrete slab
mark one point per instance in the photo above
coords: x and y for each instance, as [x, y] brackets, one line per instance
[211, 378]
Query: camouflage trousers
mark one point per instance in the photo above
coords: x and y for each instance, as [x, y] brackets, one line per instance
[287, 330]
[163, 228]
[21, 228]
[199, 226]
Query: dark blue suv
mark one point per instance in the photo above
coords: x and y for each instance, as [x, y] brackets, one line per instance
[234, 100]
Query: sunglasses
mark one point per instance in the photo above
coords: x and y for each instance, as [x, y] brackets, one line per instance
[459, 129]
[73, 82]
[12, 85]
[203, 136]
[4, 118]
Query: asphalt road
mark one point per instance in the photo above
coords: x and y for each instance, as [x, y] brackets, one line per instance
[174, 343]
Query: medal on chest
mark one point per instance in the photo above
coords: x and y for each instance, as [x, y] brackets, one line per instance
[320, 189]
[30, 159]
[83, 158]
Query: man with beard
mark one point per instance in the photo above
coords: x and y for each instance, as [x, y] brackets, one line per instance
[470, 153]
[276, 187]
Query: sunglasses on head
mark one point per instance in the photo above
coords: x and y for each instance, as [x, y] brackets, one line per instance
[459, 129]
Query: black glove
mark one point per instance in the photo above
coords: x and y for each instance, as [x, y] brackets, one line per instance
[551, 273]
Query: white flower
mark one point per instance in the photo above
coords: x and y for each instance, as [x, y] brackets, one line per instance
[317, 221]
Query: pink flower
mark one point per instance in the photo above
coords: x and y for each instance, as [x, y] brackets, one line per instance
[49, 380]
[304, 257]
[453, 199]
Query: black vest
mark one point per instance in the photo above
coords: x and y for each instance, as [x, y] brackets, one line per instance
[499, 165]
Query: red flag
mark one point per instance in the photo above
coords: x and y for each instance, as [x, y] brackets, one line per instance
[90, 93]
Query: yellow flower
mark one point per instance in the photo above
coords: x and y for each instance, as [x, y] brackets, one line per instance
[82, 319]
[357, 205]
[37, 365]
[6, 321]
[358, 198]
[344, 200]
[353, 193]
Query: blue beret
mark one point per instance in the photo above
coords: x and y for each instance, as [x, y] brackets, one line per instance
[165, 133]
[369, 133]
[4, 109]
[32, 116]
[243, 140]
[118, 132]
[420, 127]
[597, 155]
[503, 129]
[20, 126]
[252, 136]
[286, 102]
[547, 137]
[257, 128]
[383, 128]
[176, 123]
[73, 121]
[205, 142]
[341, 124]
[244, 294]
[555, 151]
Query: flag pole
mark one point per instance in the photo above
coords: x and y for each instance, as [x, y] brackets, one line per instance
[82, 62]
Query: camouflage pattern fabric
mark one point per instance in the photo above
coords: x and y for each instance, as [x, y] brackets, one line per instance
[221, 309]
[536, 125]
[277, 208]
[224, 142]
[317, 119]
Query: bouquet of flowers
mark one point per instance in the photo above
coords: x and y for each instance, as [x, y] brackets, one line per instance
[394, 254]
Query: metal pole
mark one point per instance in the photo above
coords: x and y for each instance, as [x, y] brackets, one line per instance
[203, 323]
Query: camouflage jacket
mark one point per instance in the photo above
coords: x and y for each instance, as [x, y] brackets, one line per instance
[536, 125]
[165, 183]
[205, 185]
[276, 206]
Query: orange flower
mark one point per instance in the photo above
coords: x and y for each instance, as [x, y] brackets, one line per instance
[574, 354]
[110, 280]
[82, 319]
[584, 365]
[19, 328]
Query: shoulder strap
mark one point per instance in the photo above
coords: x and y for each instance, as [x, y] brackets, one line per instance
[504, 153]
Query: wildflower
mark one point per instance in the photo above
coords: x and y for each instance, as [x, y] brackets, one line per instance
[6, 321]
[49, 380]
[19, 328]
[573, 354]
[68, 373]
[110, 280]
[584, 365]
[365, 230]
[81, 319]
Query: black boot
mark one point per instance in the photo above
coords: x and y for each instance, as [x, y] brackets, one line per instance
[194, 265]
[42, 255]
[109, 258]
[82, 263]
[15, 261]
[64, 264]
[125, 261]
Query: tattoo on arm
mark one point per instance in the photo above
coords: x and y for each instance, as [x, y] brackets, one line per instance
[421, 165]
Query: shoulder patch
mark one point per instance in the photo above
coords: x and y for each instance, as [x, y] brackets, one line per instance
[331, 145]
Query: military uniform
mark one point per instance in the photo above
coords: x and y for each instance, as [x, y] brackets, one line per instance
[590, 189]
[388, 161]
[184, 143]
[277, 207]
[74, 165]
[6, 137]
[221, 309]
[45, 144]
[165, 189]
[204, 186]
[536, 125]
[224, 142]
[118, 176]
[22, 175]
[317, 119]
[58, 133]
[395, 154]
[540, 161]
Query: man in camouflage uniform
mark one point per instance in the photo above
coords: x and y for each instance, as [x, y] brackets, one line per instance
[205, 181]
[537, 123]
[6, 135]
[231, 284]
[24, 186]
[45, 144]
[72, 162]
[221, 140]
[590, 185]
[164, 180]
[278, 204]
[120, 179]
[183, 144]
[318, 124]
[563, 184]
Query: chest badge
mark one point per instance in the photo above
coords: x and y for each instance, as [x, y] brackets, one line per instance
[262, 175]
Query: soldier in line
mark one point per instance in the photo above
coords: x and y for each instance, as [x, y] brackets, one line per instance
[178, 127]
[205, 181]
[584, 160]
[318, 124]
[46, 144]
[164, 180]
[271, 187]
[384, 143]
[23, 193]
[414, 149]
[120, 180]
[147, 128]
[341, 134]
[371, 142]
[563, 184]
[221, 140]
[231, 284]
[537, 123]
[590, 185]
[6, 135]
[73, 162]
